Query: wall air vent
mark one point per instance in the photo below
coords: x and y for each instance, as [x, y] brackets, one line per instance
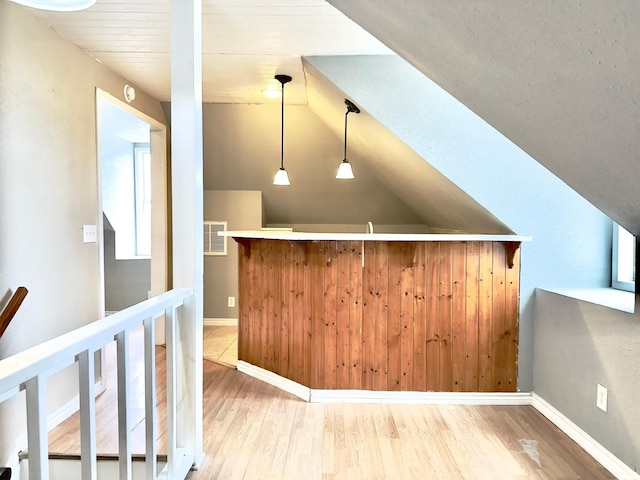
[213, 244]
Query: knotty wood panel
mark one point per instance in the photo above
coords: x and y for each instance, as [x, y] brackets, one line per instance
[417, 316]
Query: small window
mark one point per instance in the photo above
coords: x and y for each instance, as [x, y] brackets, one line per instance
[214, 244]
[142, 194]
[623, 274]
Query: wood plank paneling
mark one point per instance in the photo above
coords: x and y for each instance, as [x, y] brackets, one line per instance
[458, 311]
[245, 269]
[343, 329]
[498, 328]
[315, 259]
[355, 316]
[408, 255]
[471, 316]
[381, 315]
[445, 298]
[433, 316]
[330, 315]
[512, 312]
[419, 320]
[298, 324]
[369, 300]
[285, 310]
[416, 316]
[485, 316]
[394, 324]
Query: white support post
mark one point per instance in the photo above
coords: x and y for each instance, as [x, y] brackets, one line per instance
[150, 419]
[86, 375]
[170, 336]
[124, 428]
[38, 444]
[187, 195]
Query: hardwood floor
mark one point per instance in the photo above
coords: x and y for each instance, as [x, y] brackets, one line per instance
[255, 431]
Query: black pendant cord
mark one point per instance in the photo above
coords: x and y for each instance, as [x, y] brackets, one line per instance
[282, 79]
[345, 134]
[282, 130]
[351, 107]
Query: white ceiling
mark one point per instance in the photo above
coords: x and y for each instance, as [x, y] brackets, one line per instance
[245, 43]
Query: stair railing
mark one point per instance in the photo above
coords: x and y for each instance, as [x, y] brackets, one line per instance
[11, 309]
[29, 370]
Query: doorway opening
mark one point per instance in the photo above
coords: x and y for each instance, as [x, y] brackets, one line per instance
[132, 203]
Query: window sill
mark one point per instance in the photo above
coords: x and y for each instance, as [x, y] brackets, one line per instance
[607, 297]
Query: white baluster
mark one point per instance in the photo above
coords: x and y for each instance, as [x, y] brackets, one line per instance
[124, 430]
[150, 396]
[37, 428]
[171, 390]
[86, 376]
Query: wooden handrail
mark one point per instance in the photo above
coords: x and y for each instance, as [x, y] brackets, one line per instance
[12, 307]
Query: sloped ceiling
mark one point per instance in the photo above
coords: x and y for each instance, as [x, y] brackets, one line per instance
[374, 149]
[560, 79]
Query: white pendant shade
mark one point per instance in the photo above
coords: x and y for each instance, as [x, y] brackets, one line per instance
[345, 172]
[281, 178]
[57, 5]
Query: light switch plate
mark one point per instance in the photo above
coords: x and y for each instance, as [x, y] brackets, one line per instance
[89, 234]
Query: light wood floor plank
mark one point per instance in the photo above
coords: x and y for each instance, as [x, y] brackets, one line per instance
[255, 431]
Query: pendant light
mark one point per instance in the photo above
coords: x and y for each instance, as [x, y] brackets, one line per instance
[281, 177]
[345, 171]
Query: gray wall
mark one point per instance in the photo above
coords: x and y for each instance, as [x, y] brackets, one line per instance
[242, 210]
[126, 282]
[571, 238]
[242, 152]
[47, 192]
[578, 345]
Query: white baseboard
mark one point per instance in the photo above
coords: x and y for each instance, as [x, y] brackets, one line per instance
[582, 438]
[271, 378]
[220, 322]
[425, 398]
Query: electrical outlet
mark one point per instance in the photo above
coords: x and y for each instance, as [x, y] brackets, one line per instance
[231, 302]
[601, 400]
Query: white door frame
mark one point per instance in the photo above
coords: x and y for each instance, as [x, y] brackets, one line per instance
[159, 204]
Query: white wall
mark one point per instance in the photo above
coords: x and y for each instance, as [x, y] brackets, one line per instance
[48, 190]
[242, 210]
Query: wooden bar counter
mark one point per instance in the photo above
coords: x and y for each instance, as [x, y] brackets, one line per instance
[381, 311]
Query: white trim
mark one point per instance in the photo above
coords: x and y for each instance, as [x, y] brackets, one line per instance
[274, 379]
[582, 438]
[407, 237]
[427, 398]
[220, 322]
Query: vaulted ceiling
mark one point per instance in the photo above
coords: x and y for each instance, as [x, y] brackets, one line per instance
[561, 80]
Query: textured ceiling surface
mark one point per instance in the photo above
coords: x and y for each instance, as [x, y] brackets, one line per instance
[561, 80]
[245, 43]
